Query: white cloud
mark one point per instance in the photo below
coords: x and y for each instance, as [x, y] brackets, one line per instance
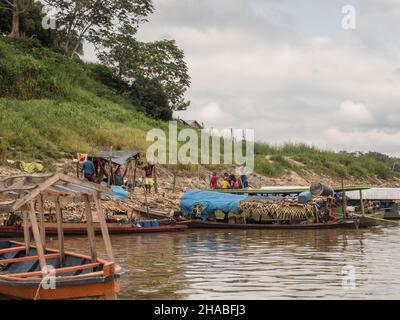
[211, 114]
[287, 68]
[368, 140]
[355, 113]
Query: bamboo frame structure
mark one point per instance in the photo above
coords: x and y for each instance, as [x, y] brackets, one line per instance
[24, 192]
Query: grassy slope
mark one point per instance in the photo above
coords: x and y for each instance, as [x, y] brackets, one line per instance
[51, 107]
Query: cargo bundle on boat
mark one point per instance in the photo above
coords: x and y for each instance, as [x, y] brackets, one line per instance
[308, 210]
[25, 267]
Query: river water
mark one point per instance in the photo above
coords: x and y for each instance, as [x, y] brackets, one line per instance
[258, 264]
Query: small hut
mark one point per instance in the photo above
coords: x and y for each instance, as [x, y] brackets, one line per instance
[109, 163]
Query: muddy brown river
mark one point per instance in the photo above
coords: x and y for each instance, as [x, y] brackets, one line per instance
[258, 264]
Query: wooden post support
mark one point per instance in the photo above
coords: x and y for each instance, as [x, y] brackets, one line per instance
[36, 235]
[134, 174]
[27, 236]
[41, 221]
[146, 203]
[111, 176]
[174, 182]
[155, 180]
[77, 168]
[362, 203]
[60, 232]
[103, 225]
[90, 229]
[344, 200]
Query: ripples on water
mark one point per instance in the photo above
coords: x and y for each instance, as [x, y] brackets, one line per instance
[257, 264]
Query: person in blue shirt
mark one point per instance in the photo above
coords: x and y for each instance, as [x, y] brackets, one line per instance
[245, 181]
[89, 170]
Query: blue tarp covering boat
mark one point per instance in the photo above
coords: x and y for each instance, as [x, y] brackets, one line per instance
[210, 201]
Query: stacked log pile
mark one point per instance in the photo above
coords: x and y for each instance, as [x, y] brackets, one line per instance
[137, 201]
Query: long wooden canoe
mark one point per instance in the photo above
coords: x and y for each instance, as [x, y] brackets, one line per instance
[79, 276]
[81, 229]
[270, 226]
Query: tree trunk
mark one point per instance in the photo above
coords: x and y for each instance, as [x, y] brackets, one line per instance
[15, 24]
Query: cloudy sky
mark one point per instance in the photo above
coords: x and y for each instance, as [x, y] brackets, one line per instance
[289, 70]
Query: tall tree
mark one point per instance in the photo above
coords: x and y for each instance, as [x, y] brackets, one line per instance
[94, 20]
[17, 9]
[161, 61]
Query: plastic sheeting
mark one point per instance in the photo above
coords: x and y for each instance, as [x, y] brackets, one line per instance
[210, 201]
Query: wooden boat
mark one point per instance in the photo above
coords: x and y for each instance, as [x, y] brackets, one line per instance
[21, 275]
[80, 229]
[349, 223]
[224, 225]
[24, 268]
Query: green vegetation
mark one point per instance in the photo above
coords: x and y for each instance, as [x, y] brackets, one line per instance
[278, 160]
[51, 106]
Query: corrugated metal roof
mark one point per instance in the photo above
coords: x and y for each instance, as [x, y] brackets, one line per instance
[376, 194]
[121, 157]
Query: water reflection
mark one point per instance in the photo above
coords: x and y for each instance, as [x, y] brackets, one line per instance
[256, 264]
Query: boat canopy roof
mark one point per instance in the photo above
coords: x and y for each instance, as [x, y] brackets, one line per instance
[384, 194]
[267, 191]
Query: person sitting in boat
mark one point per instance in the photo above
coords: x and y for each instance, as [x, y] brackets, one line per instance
[245, 181]
[214, 181]
[225, 183]
[89, 170]
[234, 182]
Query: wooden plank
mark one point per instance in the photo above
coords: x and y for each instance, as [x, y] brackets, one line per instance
[104, 229]
[60, 232]
[57, 271]
[90, 229]
[59, 278]
[29, 258]
[41, 221]
[13, 249]
[36, 235]
[362, 203]
[32, 195]
[24, 179]
[18, 189]
[27, 236]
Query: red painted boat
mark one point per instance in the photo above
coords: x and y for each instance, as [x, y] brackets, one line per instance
[81, 229]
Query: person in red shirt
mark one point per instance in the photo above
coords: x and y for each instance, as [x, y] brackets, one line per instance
[214, 181]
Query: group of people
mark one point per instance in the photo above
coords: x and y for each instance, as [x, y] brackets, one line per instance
[229, 181]
[91, 174]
